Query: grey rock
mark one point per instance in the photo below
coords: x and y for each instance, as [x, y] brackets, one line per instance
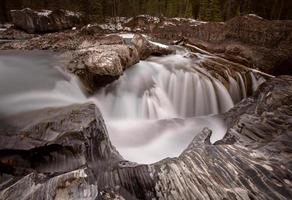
[99, 65]
[45, 20]
[145, 48]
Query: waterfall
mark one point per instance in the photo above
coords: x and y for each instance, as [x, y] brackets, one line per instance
[256, 81]
[177, 87]
[153, 111]
[239, 85]
[163, 102]
[242, 84]
[234, 89]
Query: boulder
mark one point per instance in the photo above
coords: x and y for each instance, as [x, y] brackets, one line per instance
[45, 20]
[50, 152]
[99, 65]
[146, 48]
[101, 62]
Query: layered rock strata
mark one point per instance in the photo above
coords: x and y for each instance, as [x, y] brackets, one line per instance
[65, 153]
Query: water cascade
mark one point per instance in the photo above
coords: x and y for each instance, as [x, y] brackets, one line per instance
[173, 86]
[163, 102]
[153, 111]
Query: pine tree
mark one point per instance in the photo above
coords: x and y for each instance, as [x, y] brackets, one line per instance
[172, 8]
[195, 8]
[205, 12]
[188, 9]
[152, 7]
[215, 10]
[96, 9]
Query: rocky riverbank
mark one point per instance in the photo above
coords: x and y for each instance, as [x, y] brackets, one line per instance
[95, 54]
[249, 40]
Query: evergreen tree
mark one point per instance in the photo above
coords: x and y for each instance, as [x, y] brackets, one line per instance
[209, 10]
[195, 8]
[96, 9]
[152, 7]
[205, 11]
[188, 9]
[215, 10]
[172, 8]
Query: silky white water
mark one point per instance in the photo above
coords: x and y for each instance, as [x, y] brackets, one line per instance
[167, 87]
[31, 80]
[162, 103]
[152, 112]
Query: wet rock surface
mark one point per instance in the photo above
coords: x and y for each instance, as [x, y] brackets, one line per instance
[99, 65]
[102, 62]
[65, 153]
[45, 21]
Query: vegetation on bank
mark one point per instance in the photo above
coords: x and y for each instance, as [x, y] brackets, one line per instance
[210, 10]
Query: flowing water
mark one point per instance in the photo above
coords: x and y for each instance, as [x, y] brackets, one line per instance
[152, 112]
[31, 80]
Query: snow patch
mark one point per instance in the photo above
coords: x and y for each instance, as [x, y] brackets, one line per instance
[190, 20]
[111, 27]
[150, 18]
[255, 16]
[168, 23]
[126, 35]
[44, 12]
[159, 44]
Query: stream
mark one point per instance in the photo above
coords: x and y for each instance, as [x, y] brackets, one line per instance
[152, 112]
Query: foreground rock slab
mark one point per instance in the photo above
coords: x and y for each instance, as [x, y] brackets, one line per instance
[52, 150]
[66, 153]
